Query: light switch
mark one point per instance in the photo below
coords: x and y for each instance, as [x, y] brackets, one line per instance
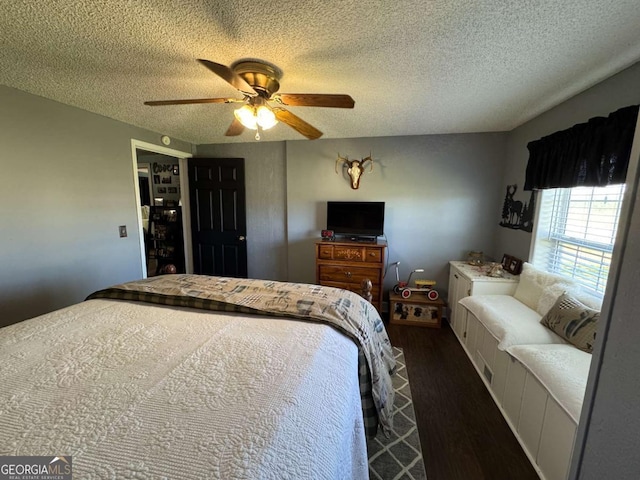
[123, 231]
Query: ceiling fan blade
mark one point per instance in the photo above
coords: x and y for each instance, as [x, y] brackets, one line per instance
[235, 129]
[156, 103]
[229, 76]
[314, 100]
[297, 123]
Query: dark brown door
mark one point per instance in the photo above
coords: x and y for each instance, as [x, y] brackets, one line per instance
[218, 216]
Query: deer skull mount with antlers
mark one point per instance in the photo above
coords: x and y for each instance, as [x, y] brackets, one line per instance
[355, 168]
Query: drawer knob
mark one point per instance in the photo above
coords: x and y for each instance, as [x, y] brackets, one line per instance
[348, 274]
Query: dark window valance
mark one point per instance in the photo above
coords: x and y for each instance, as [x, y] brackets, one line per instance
[592, 154]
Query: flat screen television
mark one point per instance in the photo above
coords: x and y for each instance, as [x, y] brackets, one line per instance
[356, 219]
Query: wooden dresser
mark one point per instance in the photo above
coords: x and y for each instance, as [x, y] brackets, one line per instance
[344, 264]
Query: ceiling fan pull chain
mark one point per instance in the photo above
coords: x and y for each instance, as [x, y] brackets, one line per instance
[257, 132]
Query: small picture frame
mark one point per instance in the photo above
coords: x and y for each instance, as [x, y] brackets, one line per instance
[511, 264]
[176, 170]
[156, 179]
[172, 189]
[158, 201]
[166, 179]
[162, 189]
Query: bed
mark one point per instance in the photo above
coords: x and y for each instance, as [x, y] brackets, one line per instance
[186, 376]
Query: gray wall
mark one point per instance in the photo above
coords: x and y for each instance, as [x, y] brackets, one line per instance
[442, 193]
[68, 185]
[266, 204]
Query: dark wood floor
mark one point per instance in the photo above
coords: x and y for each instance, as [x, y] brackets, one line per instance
[463, 434]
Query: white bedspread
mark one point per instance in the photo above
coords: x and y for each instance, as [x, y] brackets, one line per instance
[142, 391]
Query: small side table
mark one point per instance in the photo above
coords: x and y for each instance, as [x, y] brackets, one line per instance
[416, 310]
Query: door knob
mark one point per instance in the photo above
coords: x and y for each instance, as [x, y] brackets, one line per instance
[241, 238]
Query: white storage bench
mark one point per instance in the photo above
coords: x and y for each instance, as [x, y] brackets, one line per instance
[535, 376]
[544, 390]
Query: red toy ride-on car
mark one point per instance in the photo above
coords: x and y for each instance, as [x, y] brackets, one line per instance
[423, 286]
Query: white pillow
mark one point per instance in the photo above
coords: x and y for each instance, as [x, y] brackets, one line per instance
[539, 290]
[550, 295]
[529, 289]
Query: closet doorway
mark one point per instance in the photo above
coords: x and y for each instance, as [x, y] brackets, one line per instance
[162, 204]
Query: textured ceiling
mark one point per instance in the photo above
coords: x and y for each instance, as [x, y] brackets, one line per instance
[412, 66]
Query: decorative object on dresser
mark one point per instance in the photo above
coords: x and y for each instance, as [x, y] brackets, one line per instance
[475, 258]
[495, 270]
[327, 234]
[345, 264]
[418, 310]
[355, 168]
[512, 264]
[466, 280]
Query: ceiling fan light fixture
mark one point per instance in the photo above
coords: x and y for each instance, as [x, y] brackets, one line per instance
[246, 116]
[253, 117]
[265, 117]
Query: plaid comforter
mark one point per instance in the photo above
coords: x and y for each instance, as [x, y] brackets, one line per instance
[343, 310]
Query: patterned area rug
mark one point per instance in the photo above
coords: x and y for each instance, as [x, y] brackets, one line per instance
[400, 456]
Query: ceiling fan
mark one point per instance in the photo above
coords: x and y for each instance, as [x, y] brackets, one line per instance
[258, 83]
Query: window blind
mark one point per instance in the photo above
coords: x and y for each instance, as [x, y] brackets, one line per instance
[576, 233]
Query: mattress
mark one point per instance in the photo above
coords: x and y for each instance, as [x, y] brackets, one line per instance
[134, 390]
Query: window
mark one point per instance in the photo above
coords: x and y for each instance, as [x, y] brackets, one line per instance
[576, 233]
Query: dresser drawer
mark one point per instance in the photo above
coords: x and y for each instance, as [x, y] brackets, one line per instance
[373, 255]
[351, 254]
[347, 274]
[325, 252]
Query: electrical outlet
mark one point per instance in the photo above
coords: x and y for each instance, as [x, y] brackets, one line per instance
[123, 231]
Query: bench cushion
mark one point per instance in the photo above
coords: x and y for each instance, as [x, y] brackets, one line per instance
[510, 321]
[562, 370]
